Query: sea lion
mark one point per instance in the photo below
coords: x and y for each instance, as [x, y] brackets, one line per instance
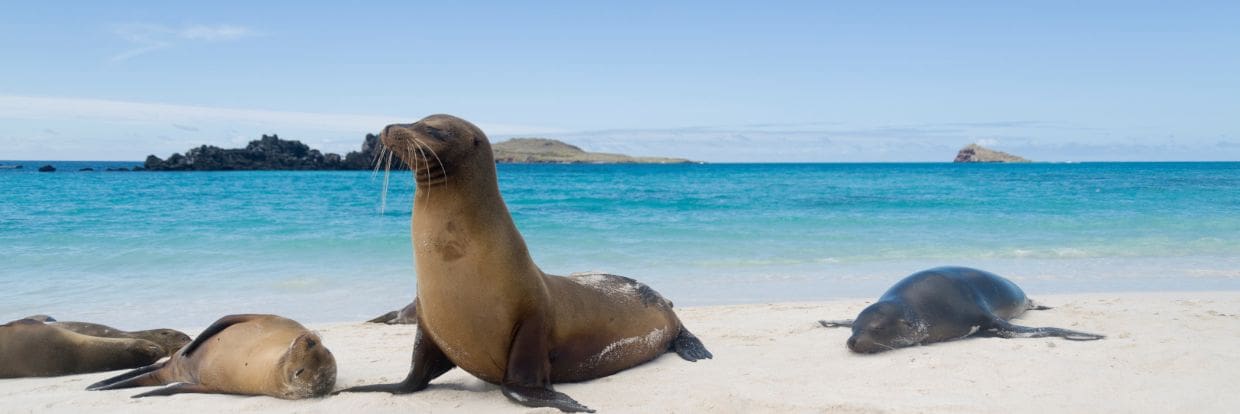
[405, 316]
[170, 340]
[30, 348]
[482, 303]
[241, 354]
[943, 304]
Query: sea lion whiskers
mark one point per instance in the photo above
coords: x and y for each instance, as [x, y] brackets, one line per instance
[387, 171]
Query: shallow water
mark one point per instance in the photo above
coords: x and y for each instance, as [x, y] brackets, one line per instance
[140, 249]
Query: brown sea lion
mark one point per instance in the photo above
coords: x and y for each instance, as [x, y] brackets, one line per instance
[405, 316]
[29, 348]
[944, 304]
[482, 303]
[241, 354]
[41, 318]
[170, 340]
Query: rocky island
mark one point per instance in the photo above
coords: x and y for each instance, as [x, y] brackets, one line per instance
[272, 153]
[550, 151]
[268, 153]
[978, 153]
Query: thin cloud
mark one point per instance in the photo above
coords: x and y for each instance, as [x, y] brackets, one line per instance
[147, 38]
[48, 108]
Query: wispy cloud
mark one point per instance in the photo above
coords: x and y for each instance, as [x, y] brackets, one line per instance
[147, 38]
[190, 117]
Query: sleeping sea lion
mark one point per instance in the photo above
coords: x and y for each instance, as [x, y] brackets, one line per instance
[943, 304]
[170, 340]
[29, 348]
[241, 354]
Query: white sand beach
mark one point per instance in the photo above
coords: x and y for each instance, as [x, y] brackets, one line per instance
[1166, 352]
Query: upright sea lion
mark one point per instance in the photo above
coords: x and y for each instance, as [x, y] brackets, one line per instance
[943, 304]
[241, 354]
[482, 303]
[405, 316]
[170, 340]
[29, 348]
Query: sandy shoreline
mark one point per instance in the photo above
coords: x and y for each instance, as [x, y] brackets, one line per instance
[1166, 352]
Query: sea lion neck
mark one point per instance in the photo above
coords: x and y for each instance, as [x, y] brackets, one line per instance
[465, 220]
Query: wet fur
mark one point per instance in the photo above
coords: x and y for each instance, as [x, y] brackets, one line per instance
[944, 304]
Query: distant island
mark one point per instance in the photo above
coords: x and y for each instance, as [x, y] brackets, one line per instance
[978, 153]
[268, 153]
[272, 153]
[550, 151]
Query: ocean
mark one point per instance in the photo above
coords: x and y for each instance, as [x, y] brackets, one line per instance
[179, 249]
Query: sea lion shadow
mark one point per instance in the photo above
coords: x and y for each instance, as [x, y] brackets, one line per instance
[478, 386]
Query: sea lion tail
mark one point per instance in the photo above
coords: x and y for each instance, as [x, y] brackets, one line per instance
[690, 347]
[384, 318]
[141, 377]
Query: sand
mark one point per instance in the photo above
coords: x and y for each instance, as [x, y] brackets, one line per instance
[1166, 352]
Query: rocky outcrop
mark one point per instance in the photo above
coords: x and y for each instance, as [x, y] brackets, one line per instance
[47, 168]
[978, 153]
[550, 151]
[268, 153]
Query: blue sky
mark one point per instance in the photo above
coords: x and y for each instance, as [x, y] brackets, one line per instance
[714, 81]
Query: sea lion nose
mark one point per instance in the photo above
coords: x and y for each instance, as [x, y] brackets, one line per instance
[852, 343]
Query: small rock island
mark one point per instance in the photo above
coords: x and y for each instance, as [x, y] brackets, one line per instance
[978, 153]
[550, 151]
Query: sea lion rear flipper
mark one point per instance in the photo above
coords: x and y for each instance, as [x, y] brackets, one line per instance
[137, 378]
[176, 388]
[690, 347]
[429, 363]
[838, 323]
[1008, 330]
[384, 318]
[527, 379]
[215, 328]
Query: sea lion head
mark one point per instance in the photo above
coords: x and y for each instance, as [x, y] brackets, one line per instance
[308, 368]
[440, 148]
[140, 352]
[885, 326]
[171, 340]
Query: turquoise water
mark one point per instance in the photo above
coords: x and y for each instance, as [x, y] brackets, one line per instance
[180, 249]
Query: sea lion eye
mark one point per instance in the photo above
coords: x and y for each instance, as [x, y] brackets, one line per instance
[298, 373]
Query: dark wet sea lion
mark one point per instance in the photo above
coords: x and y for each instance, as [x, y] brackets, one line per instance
[170, 340]
[943, 304]
[405, 316]
[482, 303]
[29, 348]
[241, 354]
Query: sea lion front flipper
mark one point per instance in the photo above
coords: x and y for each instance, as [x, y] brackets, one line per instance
[215, 328]
[177, 388]
[527, 379]
[689, 347]
[429, 363]
[140, 377]
[1008, 330]
[385, 318]
[838, 323]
